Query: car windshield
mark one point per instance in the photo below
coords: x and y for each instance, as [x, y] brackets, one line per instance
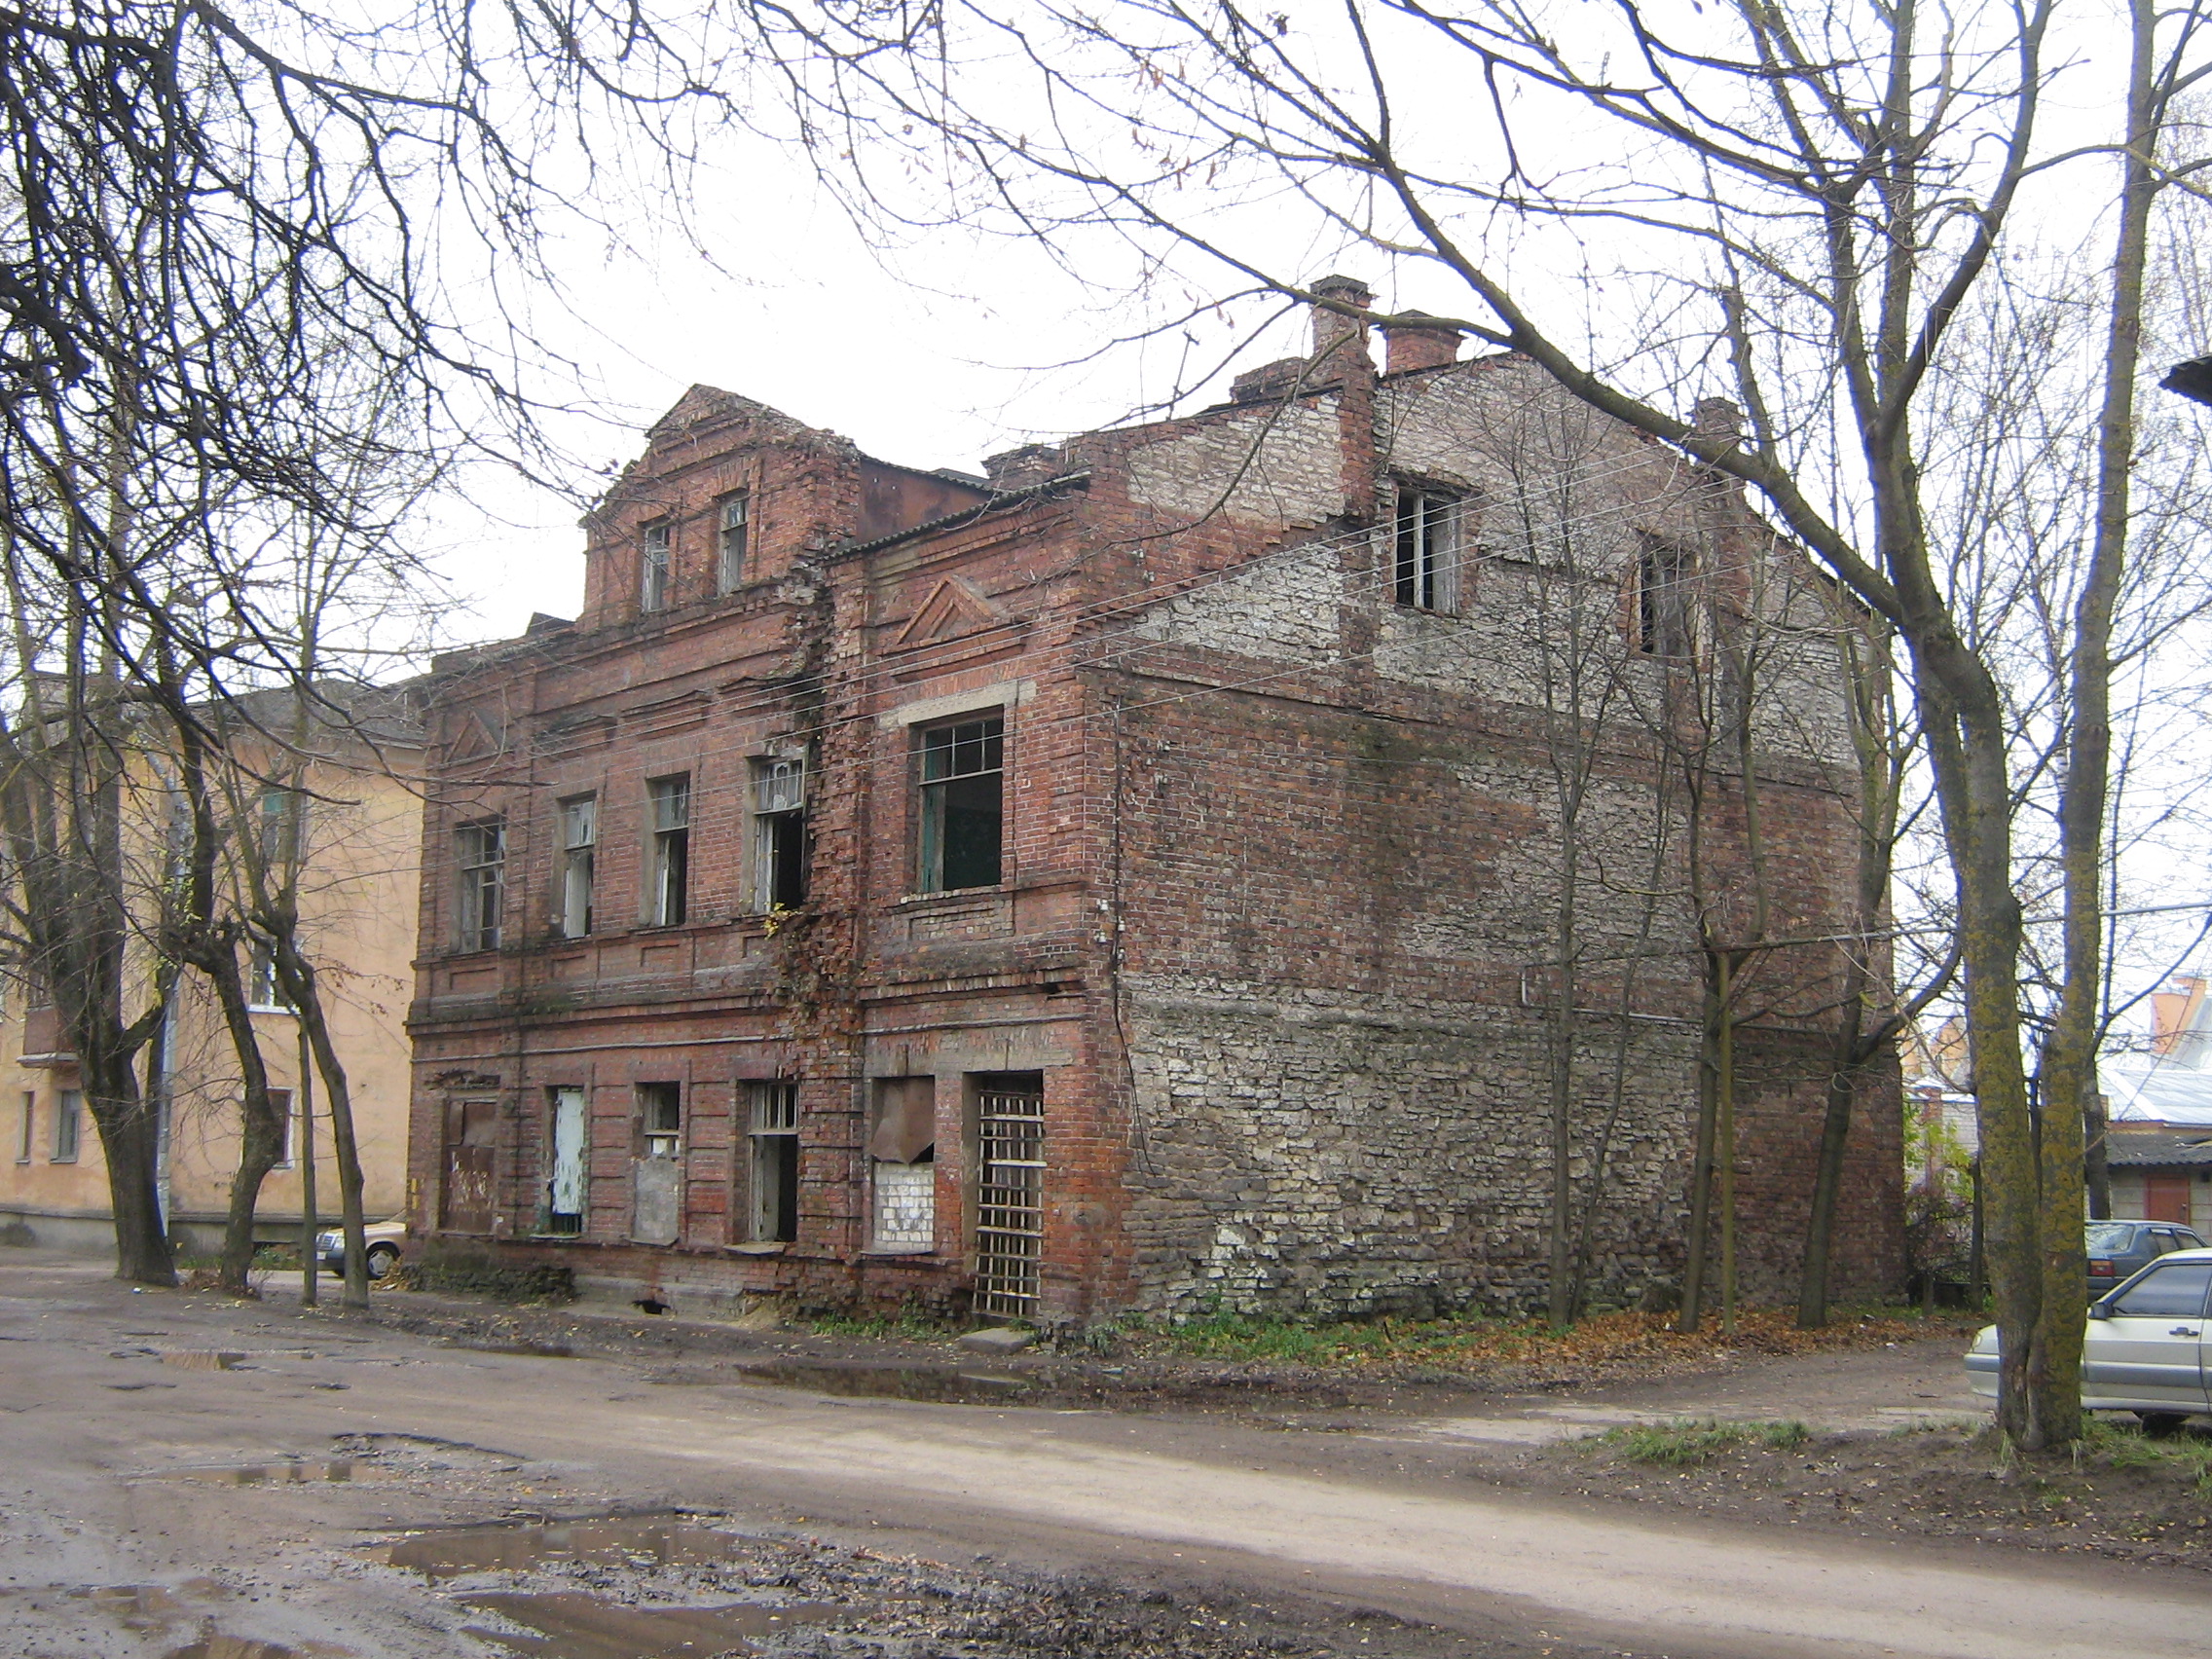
[2107, 1236]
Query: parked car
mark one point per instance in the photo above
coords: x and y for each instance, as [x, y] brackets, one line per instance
[2120, 1249]
[2144, 1351]
[386, 1242]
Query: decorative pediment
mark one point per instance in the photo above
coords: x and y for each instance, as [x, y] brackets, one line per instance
[952, 609]
[472, 738]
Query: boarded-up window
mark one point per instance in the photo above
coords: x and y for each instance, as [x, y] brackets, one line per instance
[564, 1186]
[902, 1150]
[657, 1175]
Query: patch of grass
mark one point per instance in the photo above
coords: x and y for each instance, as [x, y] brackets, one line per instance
[1689, 1441]
[910, 1323]
[1478, 1342]
[2125, 1446]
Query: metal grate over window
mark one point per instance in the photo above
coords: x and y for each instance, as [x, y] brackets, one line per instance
[1010, 1207]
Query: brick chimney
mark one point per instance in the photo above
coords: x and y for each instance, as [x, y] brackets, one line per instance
[1335, 336]
[1718, 419]
[1411, 346]
[1018, 468]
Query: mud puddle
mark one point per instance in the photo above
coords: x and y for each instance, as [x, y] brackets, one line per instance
[641, 1540]
[289, 1471]
[571, 1625]
[946, 1385]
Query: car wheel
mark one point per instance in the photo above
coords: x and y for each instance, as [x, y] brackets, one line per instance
[2160, 1424]
[382, 1258]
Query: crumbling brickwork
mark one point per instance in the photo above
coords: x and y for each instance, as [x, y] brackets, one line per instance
[1251, 846]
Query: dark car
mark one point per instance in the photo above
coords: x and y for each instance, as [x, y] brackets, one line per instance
[2120, 1249]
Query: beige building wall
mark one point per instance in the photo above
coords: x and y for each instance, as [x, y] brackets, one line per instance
[358, 898]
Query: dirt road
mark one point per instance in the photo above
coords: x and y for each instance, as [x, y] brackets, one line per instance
[159, 1497]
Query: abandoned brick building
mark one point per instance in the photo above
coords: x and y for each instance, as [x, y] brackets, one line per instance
[1134, 878]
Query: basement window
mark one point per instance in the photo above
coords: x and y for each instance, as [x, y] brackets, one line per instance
[1427, 567]
[653, 566]
[963, 816]
[732, 533]
[773, 1211]
[779, 834]
[669, 855]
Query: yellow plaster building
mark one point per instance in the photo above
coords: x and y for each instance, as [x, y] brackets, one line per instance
[359, 889]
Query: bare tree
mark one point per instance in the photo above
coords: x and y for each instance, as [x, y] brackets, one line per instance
[1809, 195]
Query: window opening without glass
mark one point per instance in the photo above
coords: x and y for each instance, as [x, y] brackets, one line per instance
[669, 867]
[1009, 1199]
[653, 567]
[68, 1125]
[661, 1113]
[579, 845]
[963, 818]
[482, 856]
[779, 834]
[1427, 549]
[772, 1210]
[564, 1186]
[731, 534]
[1663, 600]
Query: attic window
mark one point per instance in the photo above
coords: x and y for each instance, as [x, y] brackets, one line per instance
[1663, 600]
[732, 531]
[1428, 563]
[653, 567]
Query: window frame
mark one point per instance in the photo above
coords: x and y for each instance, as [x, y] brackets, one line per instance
[579, 864]
[779, 850]
[933, 794]
[668, 851]
[733, 539]
[1426, 576]
[480, 913]
[262, 995]
[68, 1126]
[656, 1139]
[282, 836]
[26, 1130]
[281, 1102]
[657, 564]
[1663, 629]
[773, 1141]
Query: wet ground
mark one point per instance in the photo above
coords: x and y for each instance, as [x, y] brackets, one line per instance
[183, 1475]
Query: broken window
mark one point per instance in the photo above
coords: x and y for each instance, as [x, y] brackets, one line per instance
[27, 1129]
[1427, 562]
[730, 536]
[565, 1187]
[963, 819]
[669, 860]
[68, 1125]
[779, 834]
[653, 567]
[482, 856]
[774, 1208]
[901, 1151]
[579, 843]
[1663, 600]
[661, 1117]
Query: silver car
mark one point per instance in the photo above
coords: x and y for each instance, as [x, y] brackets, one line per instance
[2144, 1349]
[385, 1242]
